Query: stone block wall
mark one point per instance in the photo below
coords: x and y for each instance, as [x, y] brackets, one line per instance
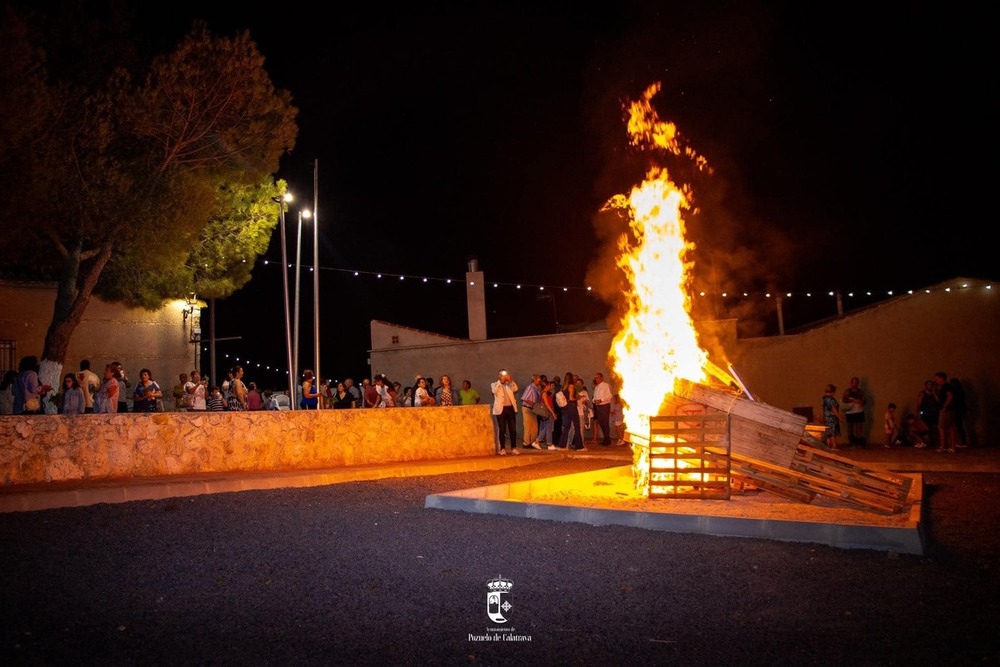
[47, 448]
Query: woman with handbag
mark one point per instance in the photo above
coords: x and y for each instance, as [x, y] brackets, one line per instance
[28, 391]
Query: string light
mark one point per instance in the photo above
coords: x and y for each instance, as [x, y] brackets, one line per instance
[277, 368]
[871, 293]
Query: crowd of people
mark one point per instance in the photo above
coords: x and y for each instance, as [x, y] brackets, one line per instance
[81, 392]
[557, 413]
[937, 420]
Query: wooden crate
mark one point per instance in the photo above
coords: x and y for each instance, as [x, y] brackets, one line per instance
[688, 455]
[759, 431]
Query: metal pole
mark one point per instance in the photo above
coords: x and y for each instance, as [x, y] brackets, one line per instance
[211, 348]
[288, 323]
[298, 278]
[315, 214]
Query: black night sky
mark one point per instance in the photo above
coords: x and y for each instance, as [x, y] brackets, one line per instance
[850, 147]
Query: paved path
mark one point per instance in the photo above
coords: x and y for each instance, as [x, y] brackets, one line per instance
[31, 497]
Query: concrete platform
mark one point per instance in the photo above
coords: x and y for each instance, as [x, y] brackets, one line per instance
[607, 497]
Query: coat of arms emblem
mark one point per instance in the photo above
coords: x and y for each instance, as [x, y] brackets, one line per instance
[498, 599]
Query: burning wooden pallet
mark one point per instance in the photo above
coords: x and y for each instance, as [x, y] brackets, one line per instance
[771, 449]
[688, 457]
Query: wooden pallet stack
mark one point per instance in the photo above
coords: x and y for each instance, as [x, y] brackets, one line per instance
[689, 457]
[771, 449]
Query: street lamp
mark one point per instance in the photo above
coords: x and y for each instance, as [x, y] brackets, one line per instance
[281, 202]
[319, 403]
[298, 275]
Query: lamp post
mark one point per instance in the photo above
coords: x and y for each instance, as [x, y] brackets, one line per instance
[281, 201]
[319, 403]
[298, 276]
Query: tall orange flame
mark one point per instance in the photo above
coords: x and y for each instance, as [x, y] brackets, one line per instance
[657, 342]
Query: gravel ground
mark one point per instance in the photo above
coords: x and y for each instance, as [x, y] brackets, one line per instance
[361, 573]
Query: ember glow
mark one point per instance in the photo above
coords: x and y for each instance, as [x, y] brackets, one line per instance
[656, 343]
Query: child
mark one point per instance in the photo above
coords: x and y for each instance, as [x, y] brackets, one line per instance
[618, 418]
[214, 401]
[889, 426]
[831, 416]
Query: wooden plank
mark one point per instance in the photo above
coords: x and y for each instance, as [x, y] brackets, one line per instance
[804, 486]
[738, 405]
[847, 472]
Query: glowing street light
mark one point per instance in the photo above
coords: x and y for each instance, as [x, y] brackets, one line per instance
[282, 201]
[298, 275]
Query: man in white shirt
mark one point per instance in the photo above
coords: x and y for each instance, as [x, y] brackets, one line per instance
[505, 412]
[602, 408]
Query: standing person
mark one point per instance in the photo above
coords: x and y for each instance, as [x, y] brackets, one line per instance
[831, 416]
[238, 390]
[958, 405]
[505, 413]
[180, 394]
[569, 416]
[947, 433]
[7, 393]
[255, 401]
[227, 386]
[310, 392]
[353, 391]
[547, 426]
[585, 408]
[889, 426]
[146, 393]
[854, 401]
[106, 399]
[557, 427]
[602, 408]
[369, 393]
[422, 396]
[197, 392]
[395, 393]
[72, 401]
[927, 408]
[532, 394]
[89, 382]
[914, 431]
[382, 388]
[123, 385]
[445, 395]
[468, 395]
[618, 419]
[28, 390]
[214, 402]
[342, 399]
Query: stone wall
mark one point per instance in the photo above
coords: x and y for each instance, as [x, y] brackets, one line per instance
[47, 448]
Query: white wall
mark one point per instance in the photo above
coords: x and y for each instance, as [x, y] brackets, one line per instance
[158, 340]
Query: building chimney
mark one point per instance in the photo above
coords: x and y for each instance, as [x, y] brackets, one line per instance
[475, 301]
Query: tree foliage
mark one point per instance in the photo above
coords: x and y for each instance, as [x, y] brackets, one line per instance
[136, 180]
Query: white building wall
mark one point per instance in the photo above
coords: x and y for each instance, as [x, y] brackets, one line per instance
[158, 340]
[892, 347]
